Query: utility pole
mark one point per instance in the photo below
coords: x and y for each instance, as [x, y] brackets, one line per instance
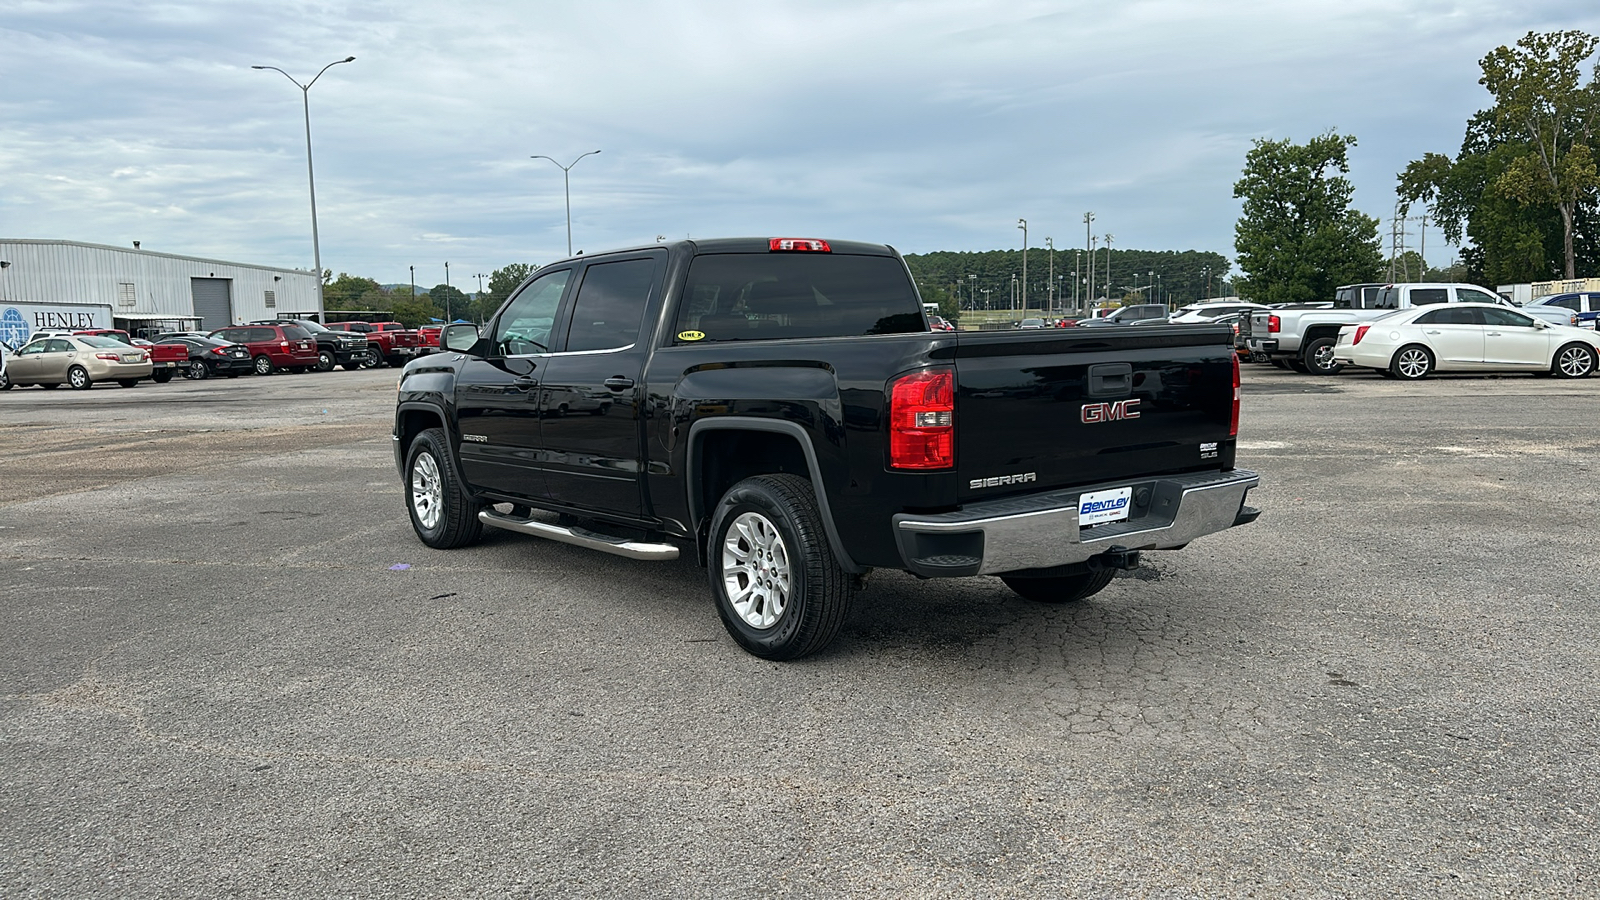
[1023, 224]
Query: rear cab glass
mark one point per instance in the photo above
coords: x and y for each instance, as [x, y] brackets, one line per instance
[759, 296]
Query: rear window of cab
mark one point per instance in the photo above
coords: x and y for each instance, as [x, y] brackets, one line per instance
[758, 296]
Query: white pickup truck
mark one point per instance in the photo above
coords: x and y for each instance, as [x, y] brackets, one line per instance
[1303, 339]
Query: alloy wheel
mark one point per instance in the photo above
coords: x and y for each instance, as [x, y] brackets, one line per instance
[427, 493]
[1575, 362]
[755, 570]
[1413, 362]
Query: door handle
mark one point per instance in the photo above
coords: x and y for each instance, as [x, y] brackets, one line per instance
[619, 382]
[1433, 332]
[526, 381]
[1491, 334]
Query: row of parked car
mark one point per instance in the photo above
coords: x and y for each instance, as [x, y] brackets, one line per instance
[1409, 331]
[80, 359]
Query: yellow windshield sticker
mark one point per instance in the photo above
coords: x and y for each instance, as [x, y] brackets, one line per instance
[691, 335]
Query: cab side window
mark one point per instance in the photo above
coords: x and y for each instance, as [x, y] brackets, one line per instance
[524, 327]
[1429, 296]
[610, 305]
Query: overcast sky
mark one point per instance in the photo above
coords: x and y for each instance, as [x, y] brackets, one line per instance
[929, 125]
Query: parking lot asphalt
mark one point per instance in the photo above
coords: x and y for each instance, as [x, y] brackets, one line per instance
[232, 670]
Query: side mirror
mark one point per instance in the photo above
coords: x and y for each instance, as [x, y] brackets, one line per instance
[1540, 323]
[460, 337]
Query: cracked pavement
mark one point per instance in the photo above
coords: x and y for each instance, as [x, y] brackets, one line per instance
[216, 685]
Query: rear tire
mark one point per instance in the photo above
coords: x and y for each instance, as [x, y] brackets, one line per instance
[198, 371]
[443, 513]
[78, 377]
[1573, 361]
[161, 377]
[128, 382]
[1060, 588]
[1319, 357]
[1298, 365]
[263, 366]
[1411, 362]
[779, 589]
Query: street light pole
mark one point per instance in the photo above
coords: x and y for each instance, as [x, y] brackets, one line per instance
[1088, 246]
[447, 316]
[1108, 265]
[413, 282]
[972, 293]
[1050, 289]
[1023, 224]
[311, 178]
[566, 184]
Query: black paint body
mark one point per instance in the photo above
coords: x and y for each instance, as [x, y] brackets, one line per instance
[650, 435]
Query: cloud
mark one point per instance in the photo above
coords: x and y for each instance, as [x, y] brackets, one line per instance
[930, 125]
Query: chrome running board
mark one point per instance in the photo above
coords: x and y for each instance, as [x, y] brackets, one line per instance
[579, 537]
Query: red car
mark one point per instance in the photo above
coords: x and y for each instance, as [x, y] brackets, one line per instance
[274, 347]
[395, 343]
[428, 338]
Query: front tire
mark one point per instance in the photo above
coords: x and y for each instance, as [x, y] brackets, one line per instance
[779, 589]
[442, 513]
[1412, 362]
[1573, 361]
[1319, 357]
[325, 361]
[263, 365]
[1060, 588]
[78, 377]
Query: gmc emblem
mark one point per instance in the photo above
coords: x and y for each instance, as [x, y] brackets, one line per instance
[1109, 412]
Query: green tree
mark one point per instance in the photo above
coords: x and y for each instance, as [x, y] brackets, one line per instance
[1298, 238]
[1541, 102]
[1510, 241]
[449, 302]
[351, 292]
[409, 312]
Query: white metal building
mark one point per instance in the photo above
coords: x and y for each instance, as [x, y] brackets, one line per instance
[143, 286]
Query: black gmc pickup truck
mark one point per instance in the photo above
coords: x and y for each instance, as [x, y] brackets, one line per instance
[780, 408]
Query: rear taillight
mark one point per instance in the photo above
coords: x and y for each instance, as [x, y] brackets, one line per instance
[1274, 324]
[922, 420]
[1233, 427]
[283, 345]
[1361, 332]
[220, 351]
[111, 356]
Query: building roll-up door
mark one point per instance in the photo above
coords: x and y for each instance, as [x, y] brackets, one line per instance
[213, 302]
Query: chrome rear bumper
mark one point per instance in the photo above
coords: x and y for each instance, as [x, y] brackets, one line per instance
[1040, 531]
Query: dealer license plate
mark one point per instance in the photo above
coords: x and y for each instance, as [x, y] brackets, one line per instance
[1104, 506]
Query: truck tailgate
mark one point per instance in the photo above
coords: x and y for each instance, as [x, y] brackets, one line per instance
[1070, 408]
